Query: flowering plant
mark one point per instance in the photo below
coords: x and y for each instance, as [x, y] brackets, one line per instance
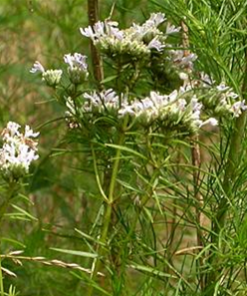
[136, 120]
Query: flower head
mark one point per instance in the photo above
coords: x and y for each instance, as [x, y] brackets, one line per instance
[134, 43]
[37, 67]
[156, 44]
[77, 67]
[17, 152]
[51, 77]
[171, 29]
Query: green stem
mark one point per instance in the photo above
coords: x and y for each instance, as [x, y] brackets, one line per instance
[108, 211]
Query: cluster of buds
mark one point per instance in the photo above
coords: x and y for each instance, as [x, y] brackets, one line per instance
[17, 152]
[51, 77]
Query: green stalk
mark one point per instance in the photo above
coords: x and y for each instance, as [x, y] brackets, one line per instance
[108, 211]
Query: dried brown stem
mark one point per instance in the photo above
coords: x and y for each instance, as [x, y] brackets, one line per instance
[93, 17]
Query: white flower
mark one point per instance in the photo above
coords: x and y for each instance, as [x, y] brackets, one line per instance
[180, 59]
[37, 67]
[29, 132]
[158, 99]
[107, 99]
[77, 69]
[11, 130]
[237, 108]
[76, 60]
[171, 29]
[102, 29]
[212, 121]
[113, 30]
[182, 104]
[88, 32]
[206, 79]
[126, 110]
[173, 96]
[222, 87]
[155, 19]
[99, 29]
[232, 95]
[156, 44]
[195, 105]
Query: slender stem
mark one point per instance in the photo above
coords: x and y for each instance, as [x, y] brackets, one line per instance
[196, 161]
[108, 209]
[97, 177]
[93, 17]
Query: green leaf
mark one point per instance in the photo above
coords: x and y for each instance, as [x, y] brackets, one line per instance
[74, 252]
[23, 212]
[152, 271]
[126, 149]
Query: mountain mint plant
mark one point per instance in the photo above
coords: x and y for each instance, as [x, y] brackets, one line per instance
[154, 98]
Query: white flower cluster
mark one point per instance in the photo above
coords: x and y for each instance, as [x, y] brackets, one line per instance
[219, 99]
[180, 60]
[18, 151]
[169, 111]
[136, 42]
[51, 77]
[106, 101]
[77, 69]
[143, 43]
